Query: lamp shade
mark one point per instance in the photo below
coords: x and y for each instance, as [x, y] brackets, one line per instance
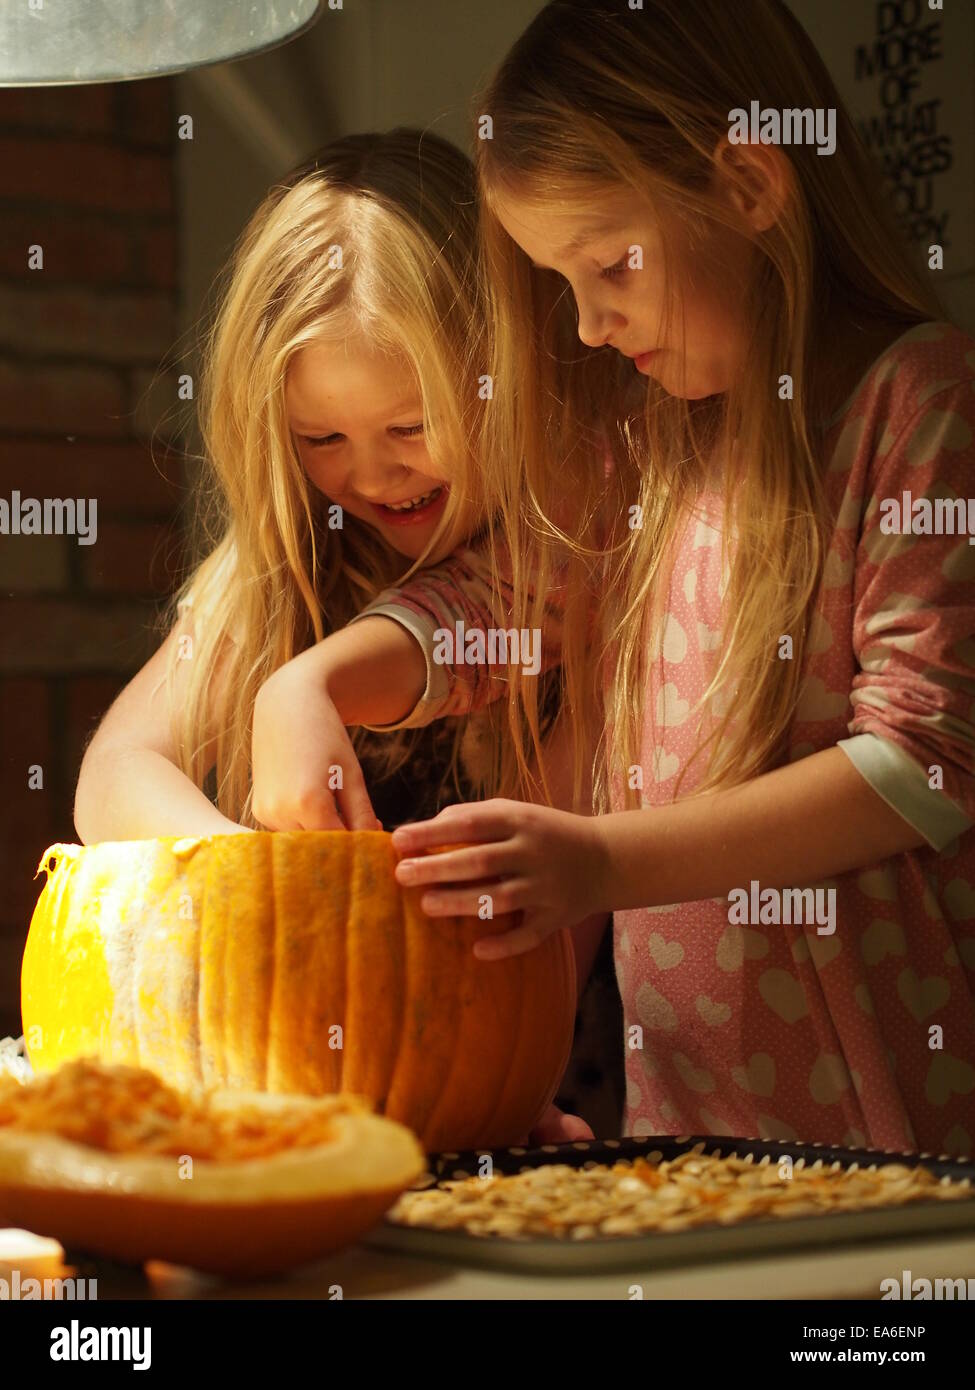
[52, 43]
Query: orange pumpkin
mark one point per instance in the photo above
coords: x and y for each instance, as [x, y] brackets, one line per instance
[112, 1161]
[293, 962]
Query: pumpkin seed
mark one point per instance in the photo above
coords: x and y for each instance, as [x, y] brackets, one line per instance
[654, 1194]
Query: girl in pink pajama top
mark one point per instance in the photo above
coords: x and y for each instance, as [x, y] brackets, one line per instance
[794, 921]
[787, 1031]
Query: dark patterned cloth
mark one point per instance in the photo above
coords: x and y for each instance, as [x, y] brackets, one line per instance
[415, 791]
[593, 1084]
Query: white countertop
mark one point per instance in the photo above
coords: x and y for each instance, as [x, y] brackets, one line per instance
[834, 1272]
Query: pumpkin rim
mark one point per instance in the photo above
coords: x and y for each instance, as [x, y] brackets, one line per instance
[66, 851]
[368, 1154]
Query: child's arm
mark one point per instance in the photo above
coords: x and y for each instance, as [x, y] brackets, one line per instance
[372, 672]
[904, 779]
[129, 786]
[796, 825]
[790, 827]
[382, 672]
[441, 607]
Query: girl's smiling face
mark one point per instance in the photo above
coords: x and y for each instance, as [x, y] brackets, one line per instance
[692, 342]
[356, 415]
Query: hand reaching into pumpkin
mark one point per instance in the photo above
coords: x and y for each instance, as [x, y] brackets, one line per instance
[371, 672]
[305, 772]
[545, 863]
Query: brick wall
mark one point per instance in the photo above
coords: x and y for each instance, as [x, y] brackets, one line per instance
[88, 175]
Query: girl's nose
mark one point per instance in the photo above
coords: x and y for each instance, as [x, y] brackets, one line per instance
[595, 325]
[379, 475]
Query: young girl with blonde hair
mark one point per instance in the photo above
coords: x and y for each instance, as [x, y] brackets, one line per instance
[337, 444]
[335, 460]
[787, 730]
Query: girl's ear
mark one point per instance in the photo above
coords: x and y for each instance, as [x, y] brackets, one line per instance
[756, 180]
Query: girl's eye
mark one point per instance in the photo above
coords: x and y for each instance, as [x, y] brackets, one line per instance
[321, 441]
[610, 271]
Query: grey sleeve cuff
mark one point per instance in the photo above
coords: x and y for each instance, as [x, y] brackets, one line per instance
[903, 784]
[437, 691]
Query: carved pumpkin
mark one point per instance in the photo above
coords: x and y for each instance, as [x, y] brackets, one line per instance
[110, 1160]
[293, 962]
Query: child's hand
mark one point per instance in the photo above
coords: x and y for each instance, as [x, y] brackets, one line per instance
[546, 863]
[301, 752]
[559, 1127]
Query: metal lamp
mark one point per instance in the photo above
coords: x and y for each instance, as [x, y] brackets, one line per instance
[59, 42]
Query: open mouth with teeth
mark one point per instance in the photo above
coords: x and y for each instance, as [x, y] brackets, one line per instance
[413, 509]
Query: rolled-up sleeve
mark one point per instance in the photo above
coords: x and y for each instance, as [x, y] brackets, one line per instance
[905, 786]
[914, 621]
[436, 693]
[458, 596]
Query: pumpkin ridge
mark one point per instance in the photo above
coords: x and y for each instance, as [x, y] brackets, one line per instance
[270, 1013]
[403, 994]
[259, 1031]
[416, 1090]
[215, 1007]
[267, 974]
[514, 1071]
[347, 940]
[469, 960]
[193, 1014]
[345, 880]
[133, 990]
[327, 979]
[200, 992]
[386, 954]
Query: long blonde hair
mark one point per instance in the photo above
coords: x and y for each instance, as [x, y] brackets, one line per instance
[400, 208]
[593, 97]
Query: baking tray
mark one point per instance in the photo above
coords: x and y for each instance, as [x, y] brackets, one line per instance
[603, 1254]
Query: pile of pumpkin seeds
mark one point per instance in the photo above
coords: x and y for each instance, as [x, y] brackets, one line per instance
[657, 1194]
